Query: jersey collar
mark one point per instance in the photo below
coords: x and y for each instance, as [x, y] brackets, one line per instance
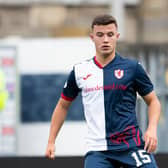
[99, 64]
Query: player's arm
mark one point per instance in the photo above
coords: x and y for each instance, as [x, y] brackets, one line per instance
[154, 110]
[69, 93]
[58, 117]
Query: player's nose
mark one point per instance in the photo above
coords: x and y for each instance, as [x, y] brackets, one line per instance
[105, 39]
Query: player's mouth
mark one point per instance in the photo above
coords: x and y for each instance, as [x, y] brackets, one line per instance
[105, 47]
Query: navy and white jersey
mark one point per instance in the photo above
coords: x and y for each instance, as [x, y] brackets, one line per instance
[109, 98]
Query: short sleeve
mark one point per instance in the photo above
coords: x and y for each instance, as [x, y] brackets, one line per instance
[70, 90]
[143, 83]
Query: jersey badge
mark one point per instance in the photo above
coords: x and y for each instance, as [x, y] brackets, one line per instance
[119, 73]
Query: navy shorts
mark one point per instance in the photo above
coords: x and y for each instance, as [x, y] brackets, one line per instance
[131, 158]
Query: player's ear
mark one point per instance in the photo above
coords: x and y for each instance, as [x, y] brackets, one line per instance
[91, 36]
[118, 35]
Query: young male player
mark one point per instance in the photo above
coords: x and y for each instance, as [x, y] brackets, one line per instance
[109, 84]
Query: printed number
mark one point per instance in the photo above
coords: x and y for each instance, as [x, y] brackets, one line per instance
[140, 157]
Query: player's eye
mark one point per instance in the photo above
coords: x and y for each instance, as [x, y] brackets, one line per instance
[99, 34]
[110, 34]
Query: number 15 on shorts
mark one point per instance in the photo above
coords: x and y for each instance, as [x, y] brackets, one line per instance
[141, 157]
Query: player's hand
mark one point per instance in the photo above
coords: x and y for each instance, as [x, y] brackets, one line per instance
[50, 151]
[150, 138]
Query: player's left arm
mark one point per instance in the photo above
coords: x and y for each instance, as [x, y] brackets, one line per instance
[154, 110]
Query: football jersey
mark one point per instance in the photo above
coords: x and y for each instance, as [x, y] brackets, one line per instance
[109, 98]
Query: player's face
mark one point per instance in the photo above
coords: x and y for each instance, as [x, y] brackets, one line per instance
[105, 38]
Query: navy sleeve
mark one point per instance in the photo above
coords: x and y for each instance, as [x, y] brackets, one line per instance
[143, 83]
[70, 90]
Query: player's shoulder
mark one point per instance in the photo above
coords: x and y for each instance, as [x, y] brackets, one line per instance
[128, 60]
[84, 63]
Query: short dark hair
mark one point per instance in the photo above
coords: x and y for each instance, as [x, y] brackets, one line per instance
[104, 20]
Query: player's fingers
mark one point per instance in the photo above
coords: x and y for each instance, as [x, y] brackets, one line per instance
[47, 154]
[52, 155]
[152, 145]
[146, 143]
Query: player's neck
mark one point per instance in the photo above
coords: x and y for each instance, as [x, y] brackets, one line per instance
[105, 59]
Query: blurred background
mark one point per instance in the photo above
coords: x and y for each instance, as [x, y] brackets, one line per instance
[40, 41]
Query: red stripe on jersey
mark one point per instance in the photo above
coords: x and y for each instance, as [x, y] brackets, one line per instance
[97, 63]
[66, 98]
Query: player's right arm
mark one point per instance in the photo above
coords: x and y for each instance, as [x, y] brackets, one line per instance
[58, 117]
[69, 93]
